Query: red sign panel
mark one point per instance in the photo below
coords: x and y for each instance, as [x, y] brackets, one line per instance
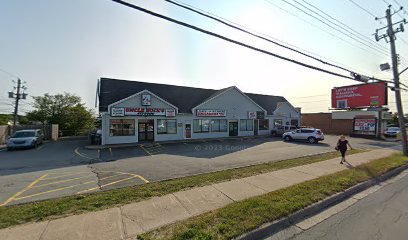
[358, 96]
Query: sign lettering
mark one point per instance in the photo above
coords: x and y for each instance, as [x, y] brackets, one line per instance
[211, 113]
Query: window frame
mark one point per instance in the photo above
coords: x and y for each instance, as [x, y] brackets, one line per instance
[200, 124]
[166, 124]
[121, 129]
[259, 124]
[220, 125]
[246, 125]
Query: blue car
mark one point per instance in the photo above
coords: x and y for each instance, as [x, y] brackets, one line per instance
[25, 139]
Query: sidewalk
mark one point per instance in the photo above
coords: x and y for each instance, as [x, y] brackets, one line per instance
[132, 219]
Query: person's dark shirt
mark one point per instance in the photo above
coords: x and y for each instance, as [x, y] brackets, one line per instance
[343, 145]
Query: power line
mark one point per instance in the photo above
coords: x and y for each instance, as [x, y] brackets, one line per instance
[346, 27]
[321, 29]
[389, 4]
[330, 26]
[270, 37]
[228, 39]
[190, 8]
[362, 8]
[321, 95]
[8, 73]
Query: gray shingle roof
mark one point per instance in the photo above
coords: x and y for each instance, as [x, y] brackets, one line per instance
[185, 98]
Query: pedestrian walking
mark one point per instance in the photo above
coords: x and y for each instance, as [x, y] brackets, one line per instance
[342, 147]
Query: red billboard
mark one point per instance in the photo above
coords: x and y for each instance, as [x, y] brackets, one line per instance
[360, 96]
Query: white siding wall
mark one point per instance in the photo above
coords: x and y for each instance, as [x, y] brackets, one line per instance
[236, 105]
[136, 101]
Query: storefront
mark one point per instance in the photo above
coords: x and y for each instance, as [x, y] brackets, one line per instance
[135, 112]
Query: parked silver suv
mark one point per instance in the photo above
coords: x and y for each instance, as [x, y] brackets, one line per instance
[25, 139]
[312, 135]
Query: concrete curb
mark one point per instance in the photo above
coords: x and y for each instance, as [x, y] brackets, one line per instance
[269, 229]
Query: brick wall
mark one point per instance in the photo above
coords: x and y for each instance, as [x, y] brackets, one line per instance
[328, 125]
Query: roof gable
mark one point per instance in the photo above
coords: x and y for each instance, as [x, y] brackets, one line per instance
[184, 98]
[140, 93]
[224, 91]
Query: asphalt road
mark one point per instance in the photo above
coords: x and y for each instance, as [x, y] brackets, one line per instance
[381, 215]
[64, 168]
[50, 155]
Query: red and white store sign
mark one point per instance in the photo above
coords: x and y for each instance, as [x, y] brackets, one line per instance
[130, 111]
[211, 113]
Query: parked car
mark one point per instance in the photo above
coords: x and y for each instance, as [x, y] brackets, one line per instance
[391, 132]
[25, 139]
[278, 131]
[95, 137]
[312, 135]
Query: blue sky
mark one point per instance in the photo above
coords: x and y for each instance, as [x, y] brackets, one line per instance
[66, 45]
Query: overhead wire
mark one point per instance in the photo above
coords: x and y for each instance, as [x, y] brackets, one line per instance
[363, 9]
[224, 21]
[321, 29]
[375, 17]
[8, 73]
[331, 26]
[234, 41]
[347, 27]
[228, 39]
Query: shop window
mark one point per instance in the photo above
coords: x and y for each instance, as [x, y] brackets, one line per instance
[246, 125]
[201, 125]
[218, 125]
[122, 127]
[278, 123]
[166, 126]
[263, 124]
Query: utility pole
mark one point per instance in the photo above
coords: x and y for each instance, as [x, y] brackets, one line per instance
[394, 58]
[17, 96]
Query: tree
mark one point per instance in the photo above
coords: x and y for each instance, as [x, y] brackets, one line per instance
[4, 119]
[66, 110]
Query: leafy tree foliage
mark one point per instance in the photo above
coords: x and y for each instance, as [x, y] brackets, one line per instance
[4, 118]
[66, 110]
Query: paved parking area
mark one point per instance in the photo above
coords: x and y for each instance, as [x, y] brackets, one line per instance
[65, 168]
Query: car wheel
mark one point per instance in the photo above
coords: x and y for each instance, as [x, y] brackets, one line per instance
[287, 138]
[35, 144]
[9, 149]
[312, 140]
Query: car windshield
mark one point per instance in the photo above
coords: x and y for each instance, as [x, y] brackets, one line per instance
[393, 129]
[23, 134]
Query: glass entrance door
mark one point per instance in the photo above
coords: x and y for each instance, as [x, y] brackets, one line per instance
[146, 130]
[187, 130]
[233, 129]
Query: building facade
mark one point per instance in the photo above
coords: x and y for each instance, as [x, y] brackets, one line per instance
[359, 123]
[134, 112]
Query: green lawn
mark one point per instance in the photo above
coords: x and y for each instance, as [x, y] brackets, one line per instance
[241, 217]
[57, 208]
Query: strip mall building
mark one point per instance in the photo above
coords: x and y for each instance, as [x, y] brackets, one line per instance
[135, 112]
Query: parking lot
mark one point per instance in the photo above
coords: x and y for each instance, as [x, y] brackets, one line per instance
[65, 168]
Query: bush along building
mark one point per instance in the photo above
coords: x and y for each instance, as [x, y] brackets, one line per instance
[134, 112]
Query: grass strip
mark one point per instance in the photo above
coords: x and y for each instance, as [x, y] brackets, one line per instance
[60, 207]
[244, 216]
